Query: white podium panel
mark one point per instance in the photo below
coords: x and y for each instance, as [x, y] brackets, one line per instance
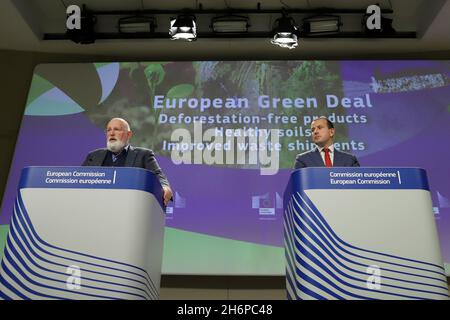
[84, 233]
[361, 233]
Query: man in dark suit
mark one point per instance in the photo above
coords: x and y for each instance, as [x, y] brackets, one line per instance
[324, 155]
[119, 153]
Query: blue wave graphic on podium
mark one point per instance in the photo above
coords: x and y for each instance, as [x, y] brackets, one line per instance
[321, 265]
[34, 269]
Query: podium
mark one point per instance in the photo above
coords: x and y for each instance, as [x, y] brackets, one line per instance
[361, 233]
[84, 233]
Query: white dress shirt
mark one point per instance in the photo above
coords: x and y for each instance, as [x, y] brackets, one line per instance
[322, 154]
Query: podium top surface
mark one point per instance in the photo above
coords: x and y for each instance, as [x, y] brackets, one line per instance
[358, 178]
[91, 178]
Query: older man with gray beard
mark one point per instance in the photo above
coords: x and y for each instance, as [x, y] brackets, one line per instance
[119, 153]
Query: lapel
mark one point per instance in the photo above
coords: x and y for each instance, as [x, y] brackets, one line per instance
[100, 158]
[337, 159]
[317, 158]
[131, 157]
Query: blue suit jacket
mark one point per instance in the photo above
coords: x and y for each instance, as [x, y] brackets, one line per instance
[313, 159]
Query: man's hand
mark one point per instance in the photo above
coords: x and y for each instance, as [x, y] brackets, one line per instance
[167, 195]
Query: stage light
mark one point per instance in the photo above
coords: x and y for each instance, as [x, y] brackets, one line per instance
[183, 27]
[137, 24]
[285, 33]
[323, 24]
[230, 24]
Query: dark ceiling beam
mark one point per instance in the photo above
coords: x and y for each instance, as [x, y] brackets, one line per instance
[255, 35]
[238, 11]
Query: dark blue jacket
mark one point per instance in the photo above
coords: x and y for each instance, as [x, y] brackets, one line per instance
[313, 159]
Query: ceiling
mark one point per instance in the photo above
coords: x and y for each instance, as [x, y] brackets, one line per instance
[23, 24]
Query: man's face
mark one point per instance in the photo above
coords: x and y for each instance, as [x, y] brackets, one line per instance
[117, 136]
[322, 135]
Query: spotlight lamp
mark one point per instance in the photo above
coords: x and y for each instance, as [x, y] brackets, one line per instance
[285, 33]
[183, 27]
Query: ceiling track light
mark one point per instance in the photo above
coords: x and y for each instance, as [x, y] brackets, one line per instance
[285, 34]
[230, 23]
[183, 28]
[137, 24]
[321, 25]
